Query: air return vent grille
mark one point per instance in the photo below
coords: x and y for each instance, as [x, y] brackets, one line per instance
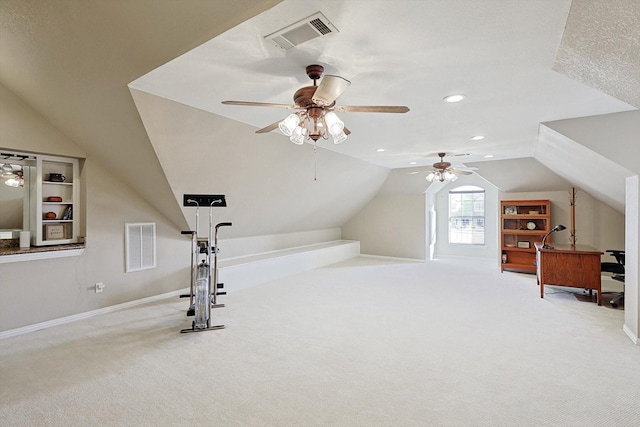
[140, 245]
[309, 28]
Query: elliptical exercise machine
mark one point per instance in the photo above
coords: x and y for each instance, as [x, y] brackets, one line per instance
[202, 294]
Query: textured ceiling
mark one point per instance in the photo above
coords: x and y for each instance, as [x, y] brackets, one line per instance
[601, 47]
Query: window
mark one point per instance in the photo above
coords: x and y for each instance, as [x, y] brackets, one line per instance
[466, 215]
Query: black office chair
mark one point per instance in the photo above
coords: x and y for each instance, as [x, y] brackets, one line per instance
[617, 273]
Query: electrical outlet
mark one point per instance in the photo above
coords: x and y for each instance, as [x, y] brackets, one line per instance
[99, 287]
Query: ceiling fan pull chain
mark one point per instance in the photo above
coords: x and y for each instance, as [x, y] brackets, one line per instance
[315, 162]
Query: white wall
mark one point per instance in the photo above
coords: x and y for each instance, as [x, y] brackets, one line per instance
[37, 291]
[390, 225]
[632, 249]
[241, 246]
[42, 290]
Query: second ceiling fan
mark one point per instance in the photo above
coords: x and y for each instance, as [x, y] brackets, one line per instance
[316, 105]
[443, 171]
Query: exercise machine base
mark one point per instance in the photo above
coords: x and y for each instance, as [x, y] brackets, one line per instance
[209, 328]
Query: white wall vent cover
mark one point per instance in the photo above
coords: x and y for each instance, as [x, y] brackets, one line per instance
[140, 246]
[309, 28]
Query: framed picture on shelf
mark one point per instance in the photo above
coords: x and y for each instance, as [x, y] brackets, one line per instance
[524, 245]
[510, 210]
[54, 232]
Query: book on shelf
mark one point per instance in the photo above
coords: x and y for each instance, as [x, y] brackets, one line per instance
[68, 213]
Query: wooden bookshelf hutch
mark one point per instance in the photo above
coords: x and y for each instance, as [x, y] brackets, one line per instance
[522, 223]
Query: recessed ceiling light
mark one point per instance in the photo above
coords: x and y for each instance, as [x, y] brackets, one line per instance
[477, 138]
[488, 156]
[455, 97]
[413, 173]
[413, 163]
[380, 150]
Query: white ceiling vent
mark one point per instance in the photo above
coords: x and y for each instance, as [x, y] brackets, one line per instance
[309, 28]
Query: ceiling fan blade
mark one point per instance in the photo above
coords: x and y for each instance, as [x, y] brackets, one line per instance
[260, 104]
[461, 172]
[329, 89]
[269, 128]
[372, 108]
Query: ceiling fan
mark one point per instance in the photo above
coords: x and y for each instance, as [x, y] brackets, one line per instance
[316, 105]
[443, 171]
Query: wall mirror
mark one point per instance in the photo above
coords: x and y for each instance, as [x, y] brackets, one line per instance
[15, 169]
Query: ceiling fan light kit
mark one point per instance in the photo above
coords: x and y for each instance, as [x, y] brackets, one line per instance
[442, 176]
[288, 125]
[7, 170]
[316, 104]
[298, 135]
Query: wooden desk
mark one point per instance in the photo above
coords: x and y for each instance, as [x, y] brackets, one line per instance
[577, 267]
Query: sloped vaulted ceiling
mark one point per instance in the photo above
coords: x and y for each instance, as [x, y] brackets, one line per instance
[71, 60]
[407, 52]
[600, 48]
[271, 186]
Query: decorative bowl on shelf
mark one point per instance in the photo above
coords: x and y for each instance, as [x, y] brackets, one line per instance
[54, 199]
[50, 215]
[57, 177]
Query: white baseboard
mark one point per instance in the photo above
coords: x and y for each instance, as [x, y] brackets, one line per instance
[237, 273]
[631, 335]
[392, 258]
[68, 319]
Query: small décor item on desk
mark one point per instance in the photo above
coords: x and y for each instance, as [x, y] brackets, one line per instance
[558, 227]
[50, 215]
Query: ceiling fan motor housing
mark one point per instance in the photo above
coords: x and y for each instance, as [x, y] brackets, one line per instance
[315, 101]
[302, 97]
[315, 71]
[441, 165]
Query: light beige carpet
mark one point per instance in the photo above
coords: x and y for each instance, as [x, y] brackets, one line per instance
[367, 342]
